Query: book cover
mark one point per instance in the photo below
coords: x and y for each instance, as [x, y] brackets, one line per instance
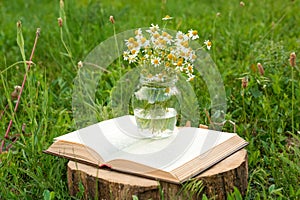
[116, 144]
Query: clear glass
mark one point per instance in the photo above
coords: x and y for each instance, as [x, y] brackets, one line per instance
[156, 106]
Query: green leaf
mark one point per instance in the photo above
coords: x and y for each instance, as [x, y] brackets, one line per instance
[204, 197]
[134, 197]
[237, 194]
[255, 92]
[271, 188]
[46, 195]
[20, 40]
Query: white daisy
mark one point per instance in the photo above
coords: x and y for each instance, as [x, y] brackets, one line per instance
[208, 44]
[190, 77]
[126, 55]
[167, 37]
[132, 58]
[193, 34]
[167, 17]
[155, 61]
[153, 28]
[138, 32]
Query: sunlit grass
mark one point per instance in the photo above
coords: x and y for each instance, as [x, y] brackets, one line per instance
[263, 32]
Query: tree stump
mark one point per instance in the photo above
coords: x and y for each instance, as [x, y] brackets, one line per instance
[107, 184]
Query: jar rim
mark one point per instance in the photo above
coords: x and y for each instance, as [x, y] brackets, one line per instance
[158, 80]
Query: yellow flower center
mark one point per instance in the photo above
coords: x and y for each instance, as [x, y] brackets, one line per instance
[162, 41]
[155, 61]
[185, 44]
[194, 32]
[133, 51]
[179, 63]
[180, 37]
[208, 43]
[167, 90]
[136, 44]
[156, 35]
[131, 40]
[170, 56]
[143, 40]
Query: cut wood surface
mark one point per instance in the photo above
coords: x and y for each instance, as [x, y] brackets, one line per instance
[107, 184]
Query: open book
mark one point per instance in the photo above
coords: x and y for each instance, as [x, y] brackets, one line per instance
[116, 144]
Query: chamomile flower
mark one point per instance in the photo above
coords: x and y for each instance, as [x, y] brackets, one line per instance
[126, 55]
[179, 68]
[153, 28]
[160, 43]
[143, 42]
[180, 37]
[193, 34]
[138, 32]
[190, 68]
[190, 77]
[170, 56]
[167, 17]
[162, 52]
[167, 37]
[192, 56]
[132, 58]
[155, 61]
[208, 44]
[130, 41]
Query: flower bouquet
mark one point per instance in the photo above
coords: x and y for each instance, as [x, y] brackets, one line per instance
[161, 56]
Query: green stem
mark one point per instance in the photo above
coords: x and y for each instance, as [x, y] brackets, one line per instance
[13, 66]
[117, 45]
[213, 37]
[119, 58]
[244, 109]
[66, 47]
[23, 83]
[292, 99]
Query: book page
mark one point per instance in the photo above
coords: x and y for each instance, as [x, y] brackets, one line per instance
[186, 145]
[119, 139]
[106, 138]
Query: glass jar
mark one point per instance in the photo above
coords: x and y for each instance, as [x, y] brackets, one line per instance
[156, 106]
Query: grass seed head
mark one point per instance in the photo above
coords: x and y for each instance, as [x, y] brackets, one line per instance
[60, 21]
[19, 24]
[244, 82]
[14, 95]
[293, 59]
[38, 31]
[260, 69]
[61, 4]
[80, 64]
[111, 19]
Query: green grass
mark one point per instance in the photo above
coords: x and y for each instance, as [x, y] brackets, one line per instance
[261, 31]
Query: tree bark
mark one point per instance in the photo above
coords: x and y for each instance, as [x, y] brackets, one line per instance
[217, 182]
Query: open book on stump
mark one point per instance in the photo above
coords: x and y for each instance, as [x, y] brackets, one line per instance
[116, 144]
